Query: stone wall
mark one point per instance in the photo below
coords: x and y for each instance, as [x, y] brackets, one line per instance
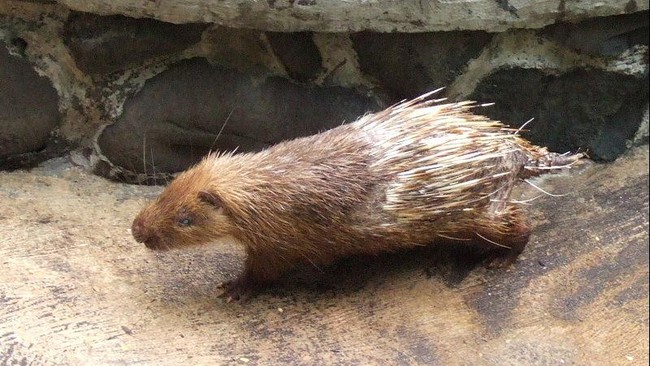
[136, 90]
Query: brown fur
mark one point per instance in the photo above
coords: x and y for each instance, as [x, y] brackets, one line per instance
[403, 177]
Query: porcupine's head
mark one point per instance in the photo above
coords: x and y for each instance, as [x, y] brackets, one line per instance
[187, 212]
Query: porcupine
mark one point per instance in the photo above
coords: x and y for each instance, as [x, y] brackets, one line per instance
[407, 176]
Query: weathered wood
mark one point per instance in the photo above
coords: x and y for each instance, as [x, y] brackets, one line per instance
[360, 15]
[76, 289]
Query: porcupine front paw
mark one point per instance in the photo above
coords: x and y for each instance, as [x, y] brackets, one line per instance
[239, 290]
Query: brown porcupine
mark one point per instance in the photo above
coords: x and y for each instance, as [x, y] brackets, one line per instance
[403, 177]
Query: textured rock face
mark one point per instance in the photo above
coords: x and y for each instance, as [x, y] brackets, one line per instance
[28, 109]
[151, 84]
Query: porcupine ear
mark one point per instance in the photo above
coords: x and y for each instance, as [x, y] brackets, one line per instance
[213, 199]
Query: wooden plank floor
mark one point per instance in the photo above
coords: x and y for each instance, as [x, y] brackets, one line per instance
[76, 289]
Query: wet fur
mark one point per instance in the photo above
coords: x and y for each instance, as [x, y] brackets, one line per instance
[406, 176]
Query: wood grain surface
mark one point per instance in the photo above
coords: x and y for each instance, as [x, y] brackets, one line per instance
[76, 289]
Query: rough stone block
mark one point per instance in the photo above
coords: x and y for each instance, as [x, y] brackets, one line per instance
[105, 44]
[194, 107]
[595, 110]
[298, 54]
[408, 65]
[608, 36]
[245, 50]
[28, 108]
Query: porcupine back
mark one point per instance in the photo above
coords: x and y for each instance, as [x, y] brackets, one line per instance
[448, 165]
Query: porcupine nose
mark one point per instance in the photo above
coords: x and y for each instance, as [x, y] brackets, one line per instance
[140, 233]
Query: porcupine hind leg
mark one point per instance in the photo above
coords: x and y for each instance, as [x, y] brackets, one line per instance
[259, 270]
[505, 235]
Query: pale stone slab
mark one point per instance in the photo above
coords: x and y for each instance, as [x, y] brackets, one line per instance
[360, 15]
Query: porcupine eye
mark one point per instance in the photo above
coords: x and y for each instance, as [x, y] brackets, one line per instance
[184, 219]
[184, 222]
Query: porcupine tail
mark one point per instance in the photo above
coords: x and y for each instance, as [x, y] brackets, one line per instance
[541, 161]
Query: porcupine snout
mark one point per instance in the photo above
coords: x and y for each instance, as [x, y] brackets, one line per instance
[144, 234]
